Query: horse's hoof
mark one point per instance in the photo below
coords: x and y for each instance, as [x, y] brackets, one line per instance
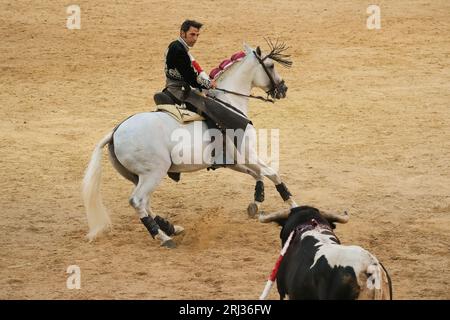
[252, 210]
[169, 244]
[178, 230]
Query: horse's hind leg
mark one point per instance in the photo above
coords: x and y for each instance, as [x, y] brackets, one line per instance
[165, 225]
[140, 199]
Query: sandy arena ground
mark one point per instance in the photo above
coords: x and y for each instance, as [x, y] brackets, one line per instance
[365, 127]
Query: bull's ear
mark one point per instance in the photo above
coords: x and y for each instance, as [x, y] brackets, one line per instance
[258, 51]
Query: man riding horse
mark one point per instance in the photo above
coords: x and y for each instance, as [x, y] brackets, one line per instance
[185, 81]
[146, 161]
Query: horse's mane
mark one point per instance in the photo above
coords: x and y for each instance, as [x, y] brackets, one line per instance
[226, 64]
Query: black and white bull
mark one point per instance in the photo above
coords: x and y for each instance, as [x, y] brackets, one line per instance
[316, 266]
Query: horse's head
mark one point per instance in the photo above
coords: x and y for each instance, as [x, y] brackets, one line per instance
[266, 77]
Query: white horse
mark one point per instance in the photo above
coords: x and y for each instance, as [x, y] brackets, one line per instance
[141, 147]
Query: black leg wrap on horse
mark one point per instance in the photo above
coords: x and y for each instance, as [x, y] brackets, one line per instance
[283, 191]
[259, 191]
[165, 226]
[151, 226]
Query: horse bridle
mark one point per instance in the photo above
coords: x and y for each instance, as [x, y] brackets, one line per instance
[276, 88]
[273, 92]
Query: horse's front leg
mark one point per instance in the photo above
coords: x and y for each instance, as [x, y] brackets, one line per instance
[254, 207]
[263, 169]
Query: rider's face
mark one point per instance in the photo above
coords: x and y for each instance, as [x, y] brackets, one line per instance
[190, 36]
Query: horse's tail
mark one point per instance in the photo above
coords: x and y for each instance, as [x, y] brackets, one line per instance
[97, 216]
[387, 278]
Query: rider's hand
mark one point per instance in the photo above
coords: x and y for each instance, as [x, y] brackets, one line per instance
[213, 84]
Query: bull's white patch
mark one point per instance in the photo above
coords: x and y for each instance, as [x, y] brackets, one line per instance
[374, 280]
[355, 257]
[321, 237]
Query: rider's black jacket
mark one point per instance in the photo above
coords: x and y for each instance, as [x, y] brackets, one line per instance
[179, 66]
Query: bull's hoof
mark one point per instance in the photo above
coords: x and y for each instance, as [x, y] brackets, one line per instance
[252, 210]
[178, 230]
[169, 244]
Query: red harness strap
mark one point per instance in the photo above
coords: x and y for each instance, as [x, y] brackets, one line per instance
[273, 274]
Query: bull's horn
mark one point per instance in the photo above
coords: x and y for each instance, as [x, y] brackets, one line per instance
[334, 217]
[264, 218]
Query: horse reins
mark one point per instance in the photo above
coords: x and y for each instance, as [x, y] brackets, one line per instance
[246, 95]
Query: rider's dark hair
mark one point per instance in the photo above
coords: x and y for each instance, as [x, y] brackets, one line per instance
[190, 23]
